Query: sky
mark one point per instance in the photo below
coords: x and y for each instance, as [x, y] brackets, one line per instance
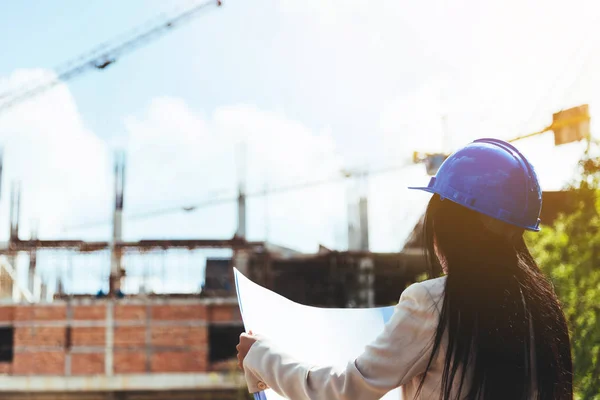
[311, 88]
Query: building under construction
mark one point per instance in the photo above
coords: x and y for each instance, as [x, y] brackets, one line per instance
[166, 345]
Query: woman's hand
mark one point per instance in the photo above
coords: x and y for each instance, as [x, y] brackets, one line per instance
[246, 341]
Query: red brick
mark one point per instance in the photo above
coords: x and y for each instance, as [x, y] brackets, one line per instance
[130, 336]
[88, 336]
[40, 336]
[87, 363]
[178, 312]
[7, 313]
[6, 368]
[23, 313]
[224, 313]
[126, 362]
[188, 361]
[179, 336]
[41, 313]
[39, 363]
[93, 312]
[130, 312]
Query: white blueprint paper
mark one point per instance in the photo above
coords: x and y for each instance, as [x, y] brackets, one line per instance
[322, 336]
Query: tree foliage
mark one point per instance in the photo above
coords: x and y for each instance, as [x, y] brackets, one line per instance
[569, 253]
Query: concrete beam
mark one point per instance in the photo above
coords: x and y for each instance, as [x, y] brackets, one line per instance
[26, 245]
[141, 382]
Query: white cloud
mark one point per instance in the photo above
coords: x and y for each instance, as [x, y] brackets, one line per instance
[502, 59]
[61, 164]
[178, 157]
[414, 122]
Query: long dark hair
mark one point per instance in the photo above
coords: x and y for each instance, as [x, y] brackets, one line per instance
[506, 334]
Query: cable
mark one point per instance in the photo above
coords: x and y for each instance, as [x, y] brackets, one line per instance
[260, 193]
[100, 57]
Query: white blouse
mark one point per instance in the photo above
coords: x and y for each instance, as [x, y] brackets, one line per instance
[397, 358]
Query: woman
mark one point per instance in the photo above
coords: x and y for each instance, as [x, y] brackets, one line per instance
[491, 328]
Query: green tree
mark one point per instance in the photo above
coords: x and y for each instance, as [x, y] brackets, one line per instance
[569, 254]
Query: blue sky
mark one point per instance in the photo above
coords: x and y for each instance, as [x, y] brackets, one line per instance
[190, 62]
[312, 86]
[244, 52]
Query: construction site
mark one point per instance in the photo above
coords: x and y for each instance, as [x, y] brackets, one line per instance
[151, 345]
[130, 340]
[157, 345]
[137, 337]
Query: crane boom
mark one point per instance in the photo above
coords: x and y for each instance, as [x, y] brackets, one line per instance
[101, 57]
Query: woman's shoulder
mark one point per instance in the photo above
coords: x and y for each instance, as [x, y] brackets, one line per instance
[430, 291]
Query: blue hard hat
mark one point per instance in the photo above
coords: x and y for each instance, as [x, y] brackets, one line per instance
[492, 177]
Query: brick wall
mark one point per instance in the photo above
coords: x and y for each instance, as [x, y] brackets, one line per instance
[151, 336]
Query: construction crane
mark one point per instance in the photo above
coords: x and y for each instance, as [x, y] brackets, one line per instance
[568, 126]
[103, 56]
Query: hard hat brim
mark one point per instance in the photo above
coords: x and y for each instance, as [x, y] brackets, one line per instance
[432, 191]
[425, 189]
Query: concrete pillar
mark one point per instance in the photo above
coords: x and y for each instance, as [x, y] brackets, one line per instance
[367, 281]
[68, 349]
[363, 211]
[241, 209]
[116, 256]
[110, 339]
